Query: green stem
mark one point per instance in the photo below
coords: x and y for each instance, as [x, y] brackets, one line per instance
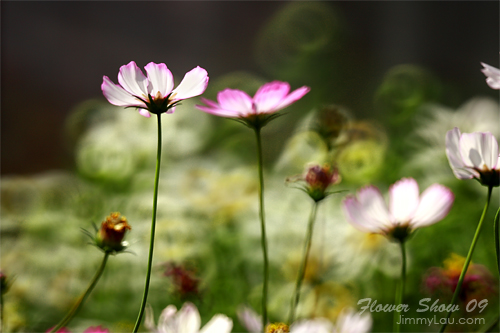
[401, 288]
[65, 321]
[303, 265]
[468, 259]
[497, 241]
[153, 225]
[263, 228]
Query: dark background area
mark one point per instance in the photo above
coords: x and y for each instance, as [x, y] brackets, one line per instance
[54, 54]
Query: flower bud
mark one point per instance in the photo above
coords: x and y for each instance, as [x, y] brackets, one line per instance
[318, 179]
[110, 236]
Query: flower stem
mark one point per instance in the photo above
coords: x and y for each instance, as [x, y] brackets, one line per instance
[497, 241]
[263, 228]
[468, 259]
[303, 265]
[401, 288]
[65, 321]
[153, 225]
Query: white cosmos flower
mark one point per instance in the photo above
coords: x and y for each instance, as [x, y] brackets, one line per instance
[154, 93]
[186, 320]
[473, 155]
[407, 209]
[492, 76]
[348, 322]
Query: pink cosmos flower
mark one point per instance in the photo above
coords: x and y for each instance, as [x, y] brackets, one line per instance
[474, 155]
[154, 93]
[407, 209]
[186, 320]
[492, 76]
[271, 97]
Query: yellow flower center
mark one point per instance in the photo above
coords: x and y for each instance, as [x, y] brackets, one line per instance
[277, 328]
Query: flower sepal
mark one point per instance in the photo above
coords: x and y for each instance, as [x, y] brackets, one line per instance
[257, 121]
[316, 180]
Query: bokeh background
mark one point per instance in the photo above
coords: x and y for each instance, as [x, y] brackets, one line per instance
[387, 79]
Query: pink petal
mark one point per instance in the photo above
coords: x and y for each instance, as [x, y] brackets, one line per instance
[168, 321]
[454, 157]
[193, 84]
[160, 78]
[479, 150]
[270, 95]
[293, 97]
[116, 95]
[374, 206]
[403, 199]
[144, 113]
[355, 214]
[133, 80]
[435, 203]
[235, 101]
[250, 320]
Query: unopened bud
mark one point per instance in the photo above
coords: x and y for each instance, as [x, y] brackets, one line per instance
[110, 236]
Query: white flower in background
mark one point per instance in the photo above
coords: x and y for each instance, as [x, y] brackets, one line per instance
[492, 76]
[186, 320]
[474, 155]
[407, 209]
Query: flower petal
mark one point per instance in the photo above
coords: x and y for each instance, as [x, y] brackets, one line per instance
[403, 199]
[270, 95]
[374, 206]
[149, 321]
[249, 319]
[454, 157]
[193, 84]
[317, 325]
[435, 203]
[293, 97]
[235, 101]
[167, 323]
[352, 322]
[144, 113]
[368, 211]
[479, 150]
[133, 80]
[160, 78]
[218, 324]
[189, 320]
[116, 95]
[493, 75]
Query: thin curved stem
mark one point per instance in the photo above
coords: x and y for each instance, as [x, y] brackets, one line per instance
[401, 288]
[263, 228]
[497, 241]
[303, 265]
[153, 226]
[76, 307]
[468, 259]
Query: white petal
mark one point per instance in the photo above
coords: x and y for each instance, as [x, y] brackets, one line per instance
[167, 322]
[493, 75]
[149, 321]
[351, 322]
[116, 95]
[435, 203]
[454, 157]
[160, 78]
[189, 320]
[133, 80]
[193, 84]
[403, 199]
[249, 319]
[318, 325]
[218, 324]
[479, 150]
